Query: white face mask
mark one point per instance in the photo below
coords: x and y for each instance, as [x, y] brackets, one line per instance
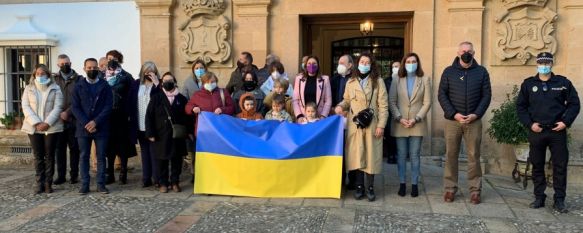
[341, 69]
[210, 86]
[395, 70]
[275, 75]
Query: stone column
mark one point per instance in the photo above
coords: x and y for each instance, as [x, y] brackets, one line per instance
[250, 19]
[155, 32]
[465, 23]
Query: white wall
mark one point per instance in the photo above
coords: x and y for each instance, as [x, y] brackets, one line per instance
[86, 29]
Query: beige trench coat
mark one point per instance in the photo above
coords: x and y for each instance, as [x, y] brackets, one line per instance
[409, 108]
[363, 150]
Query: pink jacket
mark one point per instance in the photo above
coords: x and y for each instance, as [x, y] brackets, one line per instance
[324, 100]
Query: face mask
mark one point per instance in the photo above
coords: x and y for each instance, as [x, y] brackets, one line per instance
[168, 86]
[395, 70]
[240, 64]
[66, 68]
[467, 57]
[42, 80]
[199, 72]
[364, 69]
[210, 86]
[275, 75]
[341, 69]
[249, 85]
[92, 74]
[312, 68]
[542, 69]
[411, 67]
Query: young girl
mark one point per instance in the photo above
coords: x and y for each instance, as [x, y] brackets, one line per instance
[277, 112]
[279, 88]
[311, 113]
[247, 105]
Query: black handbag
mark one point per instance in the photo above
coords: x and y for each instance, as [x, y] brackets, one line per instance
[178, 131]
[365, 116]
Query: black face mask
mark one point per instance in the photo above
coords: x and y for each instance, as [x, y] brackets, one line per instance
[92, 74]
[168, 86]
[240, 64]
[467, 57]
[66, 68]
[249, 85]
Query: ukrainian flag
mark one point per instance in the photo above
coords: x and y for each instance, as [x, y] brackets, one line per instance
[268, 158]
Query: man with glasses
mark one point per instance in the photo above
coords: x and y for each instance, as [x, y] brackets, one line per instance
[547, 105]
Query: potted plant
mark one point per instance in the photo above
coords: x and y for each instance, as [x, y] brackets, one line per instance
[8, 120]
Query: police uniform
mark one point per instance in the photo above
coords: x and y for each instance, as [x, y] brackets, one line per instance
[547, 103]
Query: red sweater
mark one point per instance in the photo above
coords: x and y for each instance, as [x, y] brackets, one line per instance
[208, 102]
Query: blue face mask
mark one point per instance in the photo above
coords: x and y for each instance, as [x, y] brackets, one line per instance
[42, 80]
[412, 67]
[363, 68]
[542, 69]
[199, 72]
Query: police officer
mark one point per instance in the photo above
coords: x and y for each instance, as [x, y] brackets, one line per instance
[547, 105]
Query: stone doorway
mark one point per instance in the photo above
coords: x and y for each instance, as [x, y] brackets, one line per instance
[332, 35]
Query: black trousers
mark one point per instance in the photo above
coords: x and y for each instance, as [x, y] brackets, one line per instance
[175, 164]
[111, 164]
[360, 177]
[557, 143]
[43, 148]
[64, 140]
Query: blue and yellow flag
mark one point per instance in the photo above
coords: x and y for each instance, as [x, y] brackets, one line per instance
[268, 158]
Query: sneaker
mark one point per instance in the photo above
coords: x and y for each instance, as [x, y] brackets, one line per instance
[102, 189]
[84, 190]
[448, 197]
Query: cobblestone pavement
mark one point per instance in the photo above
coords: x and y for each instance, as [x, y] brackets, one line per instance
[131, 208]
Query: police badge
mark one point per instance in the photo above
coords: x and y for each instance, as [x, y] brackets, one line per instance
[534, 89]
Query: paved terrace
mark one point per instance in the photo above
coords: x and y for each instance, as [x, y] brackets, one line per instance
[130, 208]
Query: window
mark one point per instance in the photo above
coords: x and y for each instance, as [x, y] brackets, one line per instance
[385, 50]
[19, 63]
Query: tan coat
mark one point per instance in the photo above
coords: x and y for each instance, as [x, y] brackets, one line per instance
[364, 151]
[409, 108]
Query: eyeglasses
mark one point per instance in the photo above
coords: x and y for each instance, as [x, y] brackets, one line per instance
[545, 87]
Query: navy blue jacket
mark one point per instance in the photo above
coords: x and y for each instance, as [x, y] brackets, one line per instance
[88, 108]
[558, 101]
[464, 90]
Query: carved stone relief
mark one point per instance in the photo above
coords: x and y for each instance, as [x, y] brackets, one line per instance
[524, 29]
[206, 33]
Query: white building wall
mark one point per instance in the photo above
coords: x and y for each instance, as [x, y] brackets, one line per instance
[85, 29]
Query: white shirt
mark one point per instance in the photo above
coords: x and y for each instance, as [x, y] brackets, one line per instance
[143, 100]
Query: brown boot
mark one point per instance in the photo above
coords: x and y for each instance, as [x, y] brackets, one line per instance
[448, 197]
[49, 188]
[163, 188]
[176, 188]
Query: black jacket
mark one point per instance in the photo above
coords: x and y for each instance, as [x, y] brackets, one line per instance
[335, 82]
[464, 90]
[67, 88]
[159, 127]
[560, 101]
[236, 80]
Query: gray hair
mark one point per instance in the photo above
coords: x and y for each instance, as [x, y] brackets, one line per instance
[349, 58]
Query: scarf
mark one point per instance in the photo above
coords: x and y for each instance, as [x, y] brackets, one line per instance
[112, 76]
[171, 95]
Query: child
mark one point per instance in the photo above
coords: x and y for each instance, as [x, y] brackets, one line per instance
[277, 112]
[247, 105]
[279, 87]
[250, 82]
[311, 113]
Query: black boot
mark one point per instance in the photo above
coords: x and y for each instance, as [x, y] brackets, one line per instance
[402, 189]
[60, 180]
[537, 203]
[123, 175]
[559, 206]
[39, 188]
[109, 178]
[370, 194]
[392, 159]
[359, 193]
[415, 190]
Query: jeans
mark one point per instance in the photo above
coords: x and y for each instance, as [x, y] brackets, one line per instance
[412, 146]
[85, 147]
[43, 148]
[67, 138]
[150, 169]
